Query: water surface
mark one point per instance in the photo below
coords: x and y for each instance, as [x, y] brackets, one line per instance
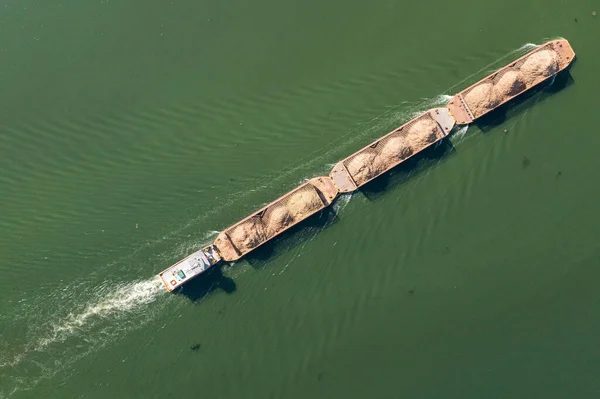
[132, 132]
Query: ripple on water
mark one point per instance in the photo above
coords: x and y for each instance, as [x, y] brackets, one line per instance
[82, 320]
[70, 157]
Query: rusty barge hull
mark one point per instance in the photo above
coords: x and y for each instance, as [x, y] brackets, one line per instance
[273, 219]
[462, 112]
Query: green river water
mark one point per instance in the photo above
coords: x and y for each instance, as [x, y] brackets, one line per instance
[132, 131]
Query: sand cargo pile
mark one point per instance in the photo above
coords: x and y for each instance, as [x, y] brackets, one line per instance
[273, 219]
[377, 158]
[391, 150]
[511, 81]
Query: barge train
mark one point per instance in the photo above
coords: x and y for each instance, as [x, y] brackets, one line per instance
[353, 172]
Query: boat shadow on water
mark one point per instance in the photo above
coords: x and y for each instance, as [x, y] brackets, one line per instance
[201, 286]
[525, 101]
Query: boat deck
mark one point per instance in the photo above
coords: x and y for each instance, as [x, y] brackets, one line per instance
[189, 267]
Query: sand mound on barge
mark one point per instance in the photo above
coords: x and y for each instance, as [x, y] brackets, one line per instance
[303, 203]
[541, 64]
[279, 218]
[298, 206]
[421, 134]
[511, 83]
[248, 234]
[365, 166]
[534, 69]
[481, 98]
[395, 149]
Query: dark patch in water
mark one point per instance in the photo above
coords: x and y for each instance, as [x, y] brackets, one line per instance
[195, 347]
[525, 162]
[201, 286]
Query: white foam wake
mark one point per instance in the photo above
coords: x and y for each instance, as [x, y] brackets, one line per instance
[458, 133]
[113, 302]
[341, 202]
[109, 301]
[110, 311]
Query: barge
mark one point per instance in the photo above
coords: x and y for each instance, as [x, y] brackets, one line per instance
[275, 218]
[377, 158]
[189, 267]
[521, 75]
[391, 150]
